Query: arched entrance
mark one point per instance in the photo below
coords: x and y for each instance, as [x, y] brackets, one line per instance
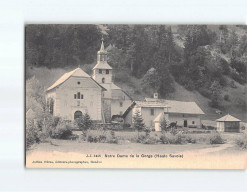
[78, 114]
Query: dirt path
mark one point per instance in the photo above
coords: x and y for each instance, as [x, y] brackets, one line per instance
[214, 148]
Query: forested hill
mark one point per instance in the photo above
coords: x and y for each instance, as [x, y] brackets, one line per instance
[209, 61]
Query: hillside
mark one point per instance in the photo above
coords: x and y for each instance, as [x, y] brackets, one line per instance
[202, 63]
[133, 87]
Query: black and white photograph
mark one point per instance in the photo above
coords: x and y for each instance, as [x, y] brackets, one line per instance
[135, 96]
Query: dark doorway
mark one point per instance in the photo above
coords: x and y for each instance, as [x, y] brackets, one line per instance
[185, 123]
[78, 114]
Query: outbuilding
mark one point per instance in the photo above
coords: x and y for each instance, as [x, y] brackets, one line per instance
[228, 123]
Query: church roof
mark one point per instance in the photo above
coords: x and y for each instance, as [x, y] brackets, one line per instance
[77, 72]
[228, 118]
[102, 65]
[102, 48]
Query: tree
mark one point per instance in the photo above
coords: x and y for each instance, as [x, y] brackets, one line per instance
[84, 122]
[151, 80]
[164, 124]
[215, 90]
[138, 122]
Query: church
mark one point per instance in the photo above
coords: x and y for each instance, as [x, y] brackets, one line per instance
[77, 93]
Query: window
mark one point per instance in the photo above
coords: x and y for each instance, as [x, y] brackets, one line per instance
[81, 96]
[193, 122]
[121, 104]
[74, 96]
[152, 111]
[103, 80]
[107, 71]
[78, 95]
[78, 82]
[100, 71]
[78, 103]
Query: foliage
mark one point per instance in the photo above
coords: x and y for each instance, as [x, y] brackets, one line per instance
[138, 121]
[242, 142]
[60, 45]
[215, 138]
[63, 130]
[164, 125]
[84, 122]
[226, 97]
[168, 138]
[215, 90]
[32, 134]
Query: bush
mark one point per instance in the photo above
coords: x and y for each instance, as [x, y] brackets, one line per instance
[215, 138]
[242, 142]
[169, 138]
[84, 123]
[62, 131]
[32, 135]
[144, 139]
[102, 136]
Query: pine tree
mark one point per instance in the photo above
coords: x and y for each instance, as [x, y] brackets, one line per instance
[164, 124]
[84, 122]
[138, 122]
[215, 90]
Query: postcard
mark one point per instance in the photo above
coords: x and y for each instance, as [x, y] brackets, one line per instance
[136, 96]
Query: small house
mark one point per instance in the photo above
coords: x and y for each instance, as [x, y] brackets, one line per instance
[228, 123]
[184, 114]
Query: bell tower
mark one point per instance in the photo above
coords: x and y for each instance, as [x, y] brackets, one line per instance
[102, 71]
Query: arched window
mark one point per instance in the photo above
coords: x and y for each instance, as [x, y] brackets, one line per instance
[78, 114]
[81, 96]
[78, 95]
[103, 80]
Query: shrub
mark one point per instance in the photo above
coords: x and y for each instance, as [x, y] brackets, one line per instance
[242, 142]
[62, 131]
[215, 138]
[147, 139]
[84, 123]
[102, 136]
[190, 139]
[169, 138]
[32, 135]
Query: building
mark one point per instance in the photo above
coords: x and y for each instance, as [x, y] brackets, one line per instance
[73, 94]
[184, 114]
[115, 100]
[76, 93]
[228, 123]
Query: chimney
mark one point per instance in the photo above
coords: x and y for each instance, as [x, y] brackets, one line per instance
[155, 95]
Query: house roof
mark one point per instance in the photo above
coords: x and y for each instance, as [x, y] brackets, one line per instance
[228, 118]
[151, 104]
[174, 106]
[102, 65]
[78, 72]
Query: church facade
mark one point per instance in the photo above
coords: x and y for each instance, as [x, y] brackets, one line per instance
[76, 93]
